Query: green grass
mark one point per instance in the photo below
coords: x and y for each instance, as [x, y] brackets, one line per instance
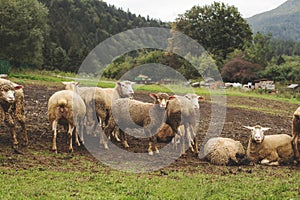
[103, 184]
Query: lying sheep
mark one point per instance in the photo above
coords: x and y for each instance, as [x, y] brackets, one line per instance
[181, 111]
[296, 134]
[128, 113]
[12, 106]
[67, 108]
[224, 151]
[269, 149]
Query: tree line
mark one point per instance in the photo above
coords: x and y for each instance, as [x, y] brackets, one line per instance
[59, 34]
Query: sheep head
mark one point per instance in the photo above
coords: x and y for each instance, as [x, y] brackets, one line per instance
[257, 133]
[7, 91]
[195, 99]
[160, 99]
[124, 88]
[71, 85]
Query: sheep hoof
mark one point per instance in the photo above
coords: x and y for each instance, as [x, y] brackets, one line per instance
[54, 151]
[125, 144]
[265, 162]
[274, 163]
[71, 150]
[105, 146]
[150, 153]
[15, 146]
[157, 151]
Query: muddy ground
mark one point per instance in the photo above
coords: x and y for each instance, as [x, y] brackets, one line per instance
[38, 153]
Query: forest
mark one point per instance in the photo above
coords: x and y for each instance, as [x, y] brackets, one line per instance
[59, 34]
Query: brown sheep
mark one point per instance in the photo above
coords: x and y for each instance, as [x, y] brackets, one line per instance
[13, 107]
[269, 149]
[128, 113]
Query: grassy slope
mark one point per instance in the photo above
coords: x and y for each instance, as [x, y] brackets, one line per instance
[258, 183]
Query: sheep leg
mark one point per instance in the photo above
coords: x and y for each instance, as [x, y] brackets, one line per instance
[71, 129]
[194, 140]
[116, 135]
[295, 147]
[10, 123]
[80, 129]
[76, 136]
[21, 119]
[189, 137]
[54, 128]
[150, 152]
[123, 138]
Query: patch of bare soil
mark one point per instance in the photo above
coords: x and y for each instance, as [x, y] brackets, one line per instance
[39, 155]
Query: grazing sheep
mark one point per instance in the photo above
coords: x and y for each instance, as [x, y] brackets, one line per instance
[224, 151]
[269, 149]
[129, 113]
[181, 111]
[166, 134]
[296, 134]
[67, 108]
[12, 106]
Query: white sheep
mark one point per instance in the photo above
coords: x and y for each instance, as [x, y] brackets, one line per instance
[98, 102]
[129, 113]
[269, 149]
[223, 151]
[12, 107]
[296, 134]
[67, 108]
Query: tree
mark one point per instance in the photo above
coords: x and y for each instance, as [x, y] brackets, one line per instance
[240, 70]
[218, 27]
[22, 30]
[259, 50]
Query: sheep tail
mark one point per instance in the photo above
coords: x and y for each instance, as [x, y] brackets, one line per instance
[62, 105]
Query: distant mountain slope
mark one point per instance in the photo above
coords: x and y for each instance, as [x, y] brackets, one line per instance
[283, 22]
[77, 26]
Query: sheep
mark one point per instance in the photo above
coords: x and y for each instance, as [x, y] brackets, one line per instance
[67, 108]
[296, 134]
[98, 101]
[224, 151]
[13, 108]
[165, 133]
[181, 111]
[269, 149]
[195, 99]
[129, 113]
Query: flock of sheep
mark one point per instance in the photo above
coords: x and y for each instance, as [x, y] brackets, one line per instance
[82, 109]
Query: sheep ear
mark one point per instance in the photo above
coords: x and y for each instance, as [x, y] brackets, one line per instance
[249, 127]
[17, 87]
[265, 129]
[172, 97]
[153, 96]
[77, 83]
[201, 98]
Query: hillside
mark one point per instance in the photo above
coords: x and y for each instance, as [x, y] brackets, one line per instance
[77, 26]
[283, 22]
